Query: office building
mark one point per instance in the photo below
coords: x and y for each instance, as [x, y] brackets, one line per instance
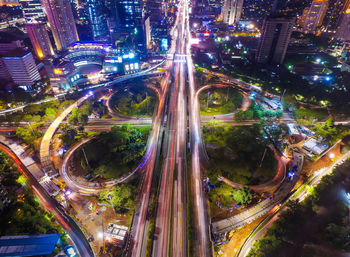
[343, 30]
[333, 15]
[316, 15]
[148, 32]
[98, 20]
[32, 9]
[10, 39]
[156, 10]
[9, 3]
[232, 11]
[60, 16]
[29, 245]
[40, 39]
[21, 67]
[274, 40]
[129, 20]
[302, 19]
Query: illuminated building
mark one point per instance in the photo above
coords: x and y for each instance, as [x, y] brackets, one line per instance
[62, 23]
[64, 76]
[315, 16]
[274, 40]
[98, 20]
[332, 18]
[232, 11]
[129, 20]
[32, 9]
[40, 39]
[343, 31]
[121, 63]
[10, 39]
[9, 2]
[148, 32]
[302, 18]
[21, 67]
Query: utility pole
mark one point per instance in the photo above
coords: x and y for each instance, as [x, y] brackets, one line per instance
[87, 163]
[228, 89]
[284, 91]
[262, 159]
[208, 100]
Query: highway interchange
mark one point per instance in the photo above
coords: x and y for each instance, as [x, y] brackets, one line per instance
[176, 125]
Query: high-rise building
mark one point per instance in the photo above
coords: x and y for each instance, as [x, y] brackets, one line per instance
[129, 20]
[315, 16]
[148, 32]
[156, 10]
[232, 11]
[60, 16]
[98, 20]
[343, 31]
[40, 39]
[9, 3]
[32, 9]
[274, 40]
[333, 15]
[21, 67]
[302, 19]
[129, 14]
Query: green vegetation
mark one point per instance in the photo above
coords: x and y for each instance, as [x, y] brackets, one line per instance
[112, 154]
[227, 196]
[22, 215]
[243, 196]
[329, 132]
[70, 135]
[45, 112]
[222, 193]
[237, 154]
[220, 101]
[121, 197]
[80, 116]
[30, 134]
[317, 226]
[135, 100]
[256, 112]
[308, 116]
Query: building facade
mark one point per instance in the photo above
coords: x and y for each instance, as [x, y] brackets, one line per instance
[32, 9]
[40, 39]
[316, 15]
[232, 11]
[21, 67]
[343, 30]
[60, 16]
[98, 20]
[274, 40]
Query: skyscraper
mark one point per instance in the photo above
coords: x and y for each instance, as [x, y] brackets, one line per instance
[343, 31]
[129, 20]
[333, 15]
[274, 40]
[98, 20]
[315, 16]
[40, 39]
[21, 67]
[32, 9]
[62, 23]
[232, 11]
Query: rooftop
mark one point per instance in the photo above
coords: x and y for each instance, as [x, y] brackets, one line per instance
[28, 245]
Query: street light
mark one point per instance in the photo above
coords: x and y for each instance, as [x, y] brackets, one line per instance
[331, 155]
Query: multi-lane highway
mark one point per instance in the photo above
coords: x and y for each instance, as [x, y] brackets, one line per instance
[52, 206]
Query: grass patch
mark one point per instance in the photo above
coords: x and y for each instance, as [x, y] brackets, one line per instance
[221, 101]
[115, 153]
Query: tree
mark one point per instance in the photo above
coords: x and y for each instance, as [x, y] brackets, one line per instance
[243, 196]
